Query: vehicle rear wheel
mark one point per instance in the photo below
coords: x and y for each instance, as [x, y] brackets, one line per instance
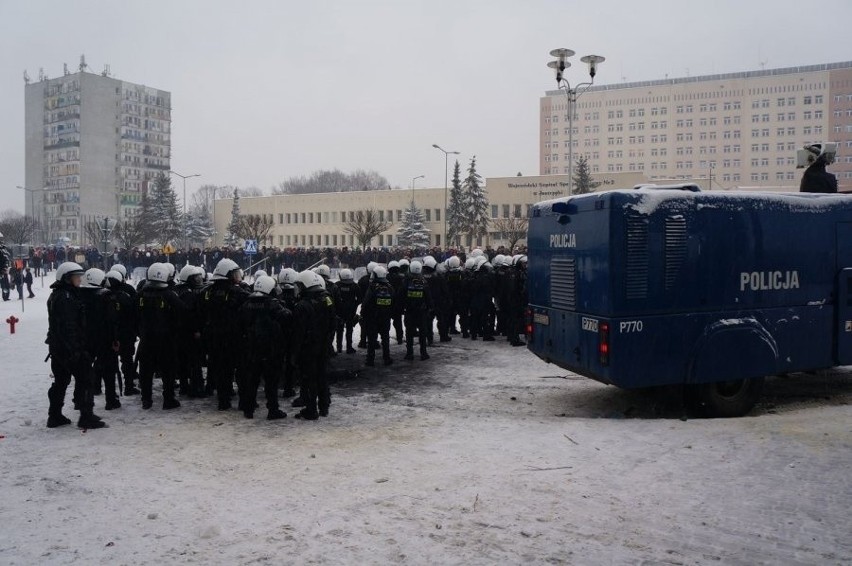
[727, 398]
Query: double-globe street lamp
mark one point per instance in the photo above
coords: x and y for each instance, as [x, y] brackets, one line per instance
[446, 185]
[559, 65]
[185, 235]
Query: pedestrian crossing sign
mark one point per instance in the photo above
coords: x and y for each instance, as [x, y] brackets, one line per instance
[250, 247]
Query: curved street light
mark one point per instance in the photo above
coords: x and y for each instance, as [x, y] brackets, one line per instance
[559, 65]
[446, 180]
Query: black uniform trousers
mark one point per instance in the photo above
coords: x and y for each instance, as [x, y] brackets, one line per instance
[63, 371]
[378, 327]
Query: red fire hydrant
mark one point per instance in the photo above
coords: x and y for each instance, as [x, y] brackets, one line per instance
[12, 321]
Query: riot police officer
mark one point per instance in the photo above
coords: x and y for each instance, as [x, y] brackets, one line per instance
[67, 343]
[347, 308]
[159, 309]
[376, 311]
[314, 316]
[102, 334]
[417, 305]
[287, 282]
[364, 285]
[126, 333]
[397, 280]
[220, 304]
[262, 322]
[190, 324]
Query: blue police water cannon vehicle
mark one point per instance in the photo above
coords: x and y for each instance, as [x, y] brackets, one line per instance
[710, 290]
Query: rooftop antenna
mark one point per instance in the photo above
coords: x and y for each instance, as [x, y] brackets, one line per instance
[106, 72]
[763, 64]
[41, 74]
[65, 69]
[26, 77]
[83, 65]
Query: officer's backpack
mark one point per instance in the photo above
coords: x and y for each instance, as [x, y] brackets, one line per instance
[415, 291]
[383, 297]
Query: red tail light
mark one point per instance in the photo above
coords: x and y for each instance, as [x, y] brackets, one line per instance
[528, 322]
[603, 347]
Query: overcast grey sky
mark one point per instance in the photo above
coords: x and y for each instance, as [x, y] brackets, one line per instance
[264, 90]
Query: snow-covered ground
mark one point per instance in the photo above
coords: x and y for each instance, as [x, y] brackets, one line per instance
[482, 455]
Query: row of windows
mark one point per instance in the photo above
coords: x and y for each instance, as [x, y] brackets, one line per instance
[429, 215]
[310, 240]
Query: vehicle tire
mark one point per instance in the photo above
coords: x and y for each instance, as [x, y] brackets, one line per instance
[727, 398]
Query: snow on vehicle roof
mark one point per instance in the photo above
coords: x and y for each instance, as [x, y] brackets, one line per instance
[646, 201]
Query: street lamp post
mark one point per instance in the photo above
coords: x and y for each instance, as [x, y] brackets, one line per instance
[184, 177]
[446, 185]
[559, 65]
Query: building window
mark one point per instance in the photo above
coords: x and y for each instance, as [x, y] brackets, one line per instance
[494, 210]
[437, 215]
[427, 214]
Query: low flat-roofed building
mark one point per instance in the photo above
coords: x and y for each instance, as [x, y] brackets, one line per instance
[319, 219]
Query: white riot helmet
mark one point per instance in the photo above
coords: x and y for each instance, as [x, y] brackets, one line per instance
[470, 263]
[114, 277]
[346, 275]
[454, 262]
[498, 260]
[68, 268]
[94, 277]
[480, 261]
[224, 268]
[310, 280]
[186, 272]
[520, 259]
[380, 273]
[120, 268]
[476, 253]
[158, 273]
[429, 262]
[170, 267]
[323, 271]
[260, 273]
[371, 266]
[264, 284]
[404, 264]
[416, 268]
[393, 265]
[288, 276]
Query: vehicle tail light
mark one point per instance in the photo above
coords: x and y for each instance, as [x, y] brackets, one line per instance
[528, 322]
[603, 346]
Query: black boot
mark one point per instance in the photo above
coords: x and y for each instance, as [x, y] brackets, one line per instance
[409, 355]
[147, 404]
[90, 421]
[275, 414]
[170, 403]
[307, 415]
[54, 421]
[112, 404]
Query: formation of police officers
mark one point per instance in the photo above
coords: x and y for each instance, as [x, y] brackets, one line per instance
[280, 331]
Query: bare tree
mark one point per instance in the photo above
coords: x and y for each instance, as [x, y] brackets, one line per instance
[92, 233]
[254, 227]
[251, 192]
[332, 181]
[365, 225]
[17, 228]
[511, 229]
[130, 233]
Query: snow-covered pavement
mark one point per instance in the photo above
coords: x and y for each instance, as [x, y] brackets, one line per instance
[481, 455]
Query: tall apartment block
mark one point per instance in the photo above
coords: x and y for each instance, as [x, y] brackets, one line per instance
[735, 130]
[93, 145]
